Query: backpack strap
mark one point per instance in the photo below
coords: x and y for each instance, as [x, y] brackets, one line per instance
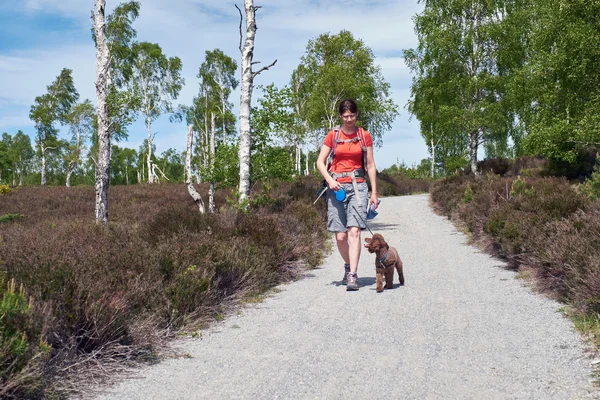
[336, 137]
[363, 145]
[360, 136]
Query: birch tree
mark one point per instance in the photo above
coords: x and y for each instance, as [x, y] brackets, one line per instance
[20, 154]
[103, 119]
[80, 121]
[188, 173]
[156, 81]
[466, 49]
[247, 82]
[49, 109]
[339, 66]
[217, 80]
[5, 164]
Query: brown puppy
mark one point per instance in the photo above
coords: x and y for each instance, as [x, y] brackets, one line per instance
[386, 259]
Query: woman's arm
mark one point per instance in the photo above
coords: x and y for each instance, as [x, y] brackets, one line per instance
[372, 172]
[333, 184]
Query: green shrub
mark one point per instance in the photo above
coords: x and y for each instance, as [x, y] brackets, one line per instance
[10, 217]
[21, 349]
[5, 189]
[591, 186]
[468, 196]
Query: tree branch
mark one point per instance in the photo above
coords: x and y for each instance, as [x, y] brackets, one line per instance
[254, 74]
[241, 20]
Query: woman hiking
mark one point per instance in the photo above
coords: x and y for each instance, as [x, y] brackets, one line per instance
[350, 149]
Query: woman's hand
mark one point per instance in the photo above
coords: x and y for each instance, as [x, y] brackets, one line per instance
[374, 200]
[334, 185]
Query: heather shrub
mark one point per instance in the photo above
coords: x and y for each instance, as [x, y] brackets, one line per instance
[109, 292]
[543, 224]
[567, 259]
[447, 193]
[399, 184]
[498, 166]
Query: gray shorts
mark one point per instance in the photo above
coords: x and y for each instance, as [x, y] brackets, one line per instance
[342, 215]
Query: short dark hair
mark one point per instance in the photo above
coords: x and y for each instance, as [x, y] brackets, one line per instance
[348, 105]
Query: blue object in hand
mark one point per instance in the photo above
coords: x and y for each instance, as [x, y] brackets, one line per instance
[372, 212]
[340, 195]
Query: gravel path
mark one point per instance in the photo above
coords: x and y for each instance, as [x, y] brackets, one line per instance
[461, 328]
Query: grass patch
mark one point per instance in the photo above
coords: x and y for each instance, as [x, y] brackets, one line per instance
[11, 217]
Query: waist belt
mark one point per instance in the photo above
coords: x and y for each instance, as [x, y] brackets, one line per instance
[357, 173]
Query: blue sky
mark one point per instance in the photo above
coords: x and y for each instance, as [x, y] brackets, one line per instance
[40, 37]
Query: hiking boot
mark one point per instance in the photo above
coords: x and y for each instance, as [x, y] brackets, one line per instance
[352, 284]
[346, 272]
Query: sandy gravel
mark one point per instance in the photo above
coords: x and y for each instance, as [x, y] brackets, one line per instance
[461, 328]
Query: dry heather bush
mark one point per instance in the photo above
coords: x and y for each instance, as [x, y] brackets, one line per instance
[542, 224]
[447, 193]
[400, 184]
[116, 292]
[566, 255]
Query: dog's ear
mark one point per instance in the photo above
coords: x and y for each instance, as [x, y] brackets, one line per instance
[368, 240]
[383, 243]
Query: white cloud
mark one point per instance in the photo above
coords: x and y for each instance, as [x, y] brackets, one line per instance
[187, 28]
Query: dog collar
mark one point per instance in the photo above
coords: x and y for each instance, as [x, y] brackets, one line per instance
[382, 260]
[384, 257]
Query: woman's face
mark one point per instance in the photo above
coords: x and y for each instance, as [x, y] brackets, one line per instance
[349, 118]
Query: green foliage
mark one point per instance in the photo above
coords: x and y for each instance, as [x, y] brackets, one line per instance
[562, 79]
[421, 171]
[14, 311]
[468, 196]
[52, 108]
[591, 186]
[10, 217]
[5, 190]
[20, 349]
[459, 93]
[336, 67]
[521, 188]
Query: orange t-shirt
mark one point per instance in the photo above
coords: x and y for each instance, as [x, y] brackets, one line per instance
[348, 156]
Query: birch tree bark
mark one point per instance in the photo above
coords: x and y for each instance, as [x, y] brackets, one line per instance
[247, 86]
[211, 189]
[188, 170]
[102, 70]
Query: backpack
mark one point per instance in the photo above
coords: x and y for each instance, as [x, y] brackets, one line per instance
[336, 139]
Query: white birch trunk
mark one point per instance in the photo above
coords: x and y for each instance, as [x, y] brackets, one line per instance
[306, 158]
[102, 71]
[246, 99]
[432, 160]
[298, 166]
[247, 84]
[188, 169]
[43, 169]
[21, 171]
[149, 160]
[70, 169]
[211, 189]
[473, 144]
